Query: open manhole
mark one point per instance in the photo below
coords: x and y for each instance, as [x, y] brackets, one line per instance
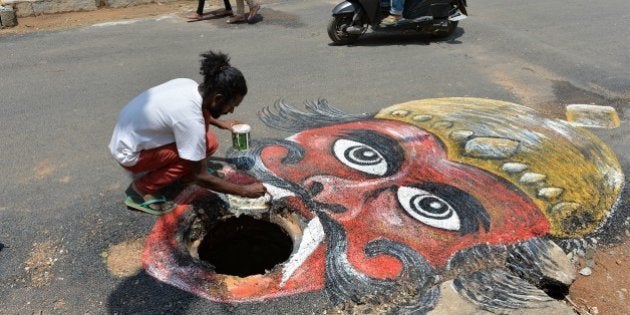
[244, 246]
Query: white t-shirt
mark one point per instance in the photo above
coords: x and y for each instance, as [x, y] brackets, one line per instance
[164, 114]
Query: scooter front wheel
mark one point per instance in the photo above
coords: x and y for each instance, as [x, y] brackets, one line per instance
[337, 30]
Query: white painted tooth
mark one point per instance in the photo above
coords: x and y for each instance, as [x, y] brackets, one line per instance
[531, 178]
[311, 238]
[400, 113]
[550, 192]
[422, 117]
[511, 167]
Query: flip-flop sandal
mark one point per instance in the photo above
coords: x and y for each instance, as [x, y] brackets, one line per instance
[252, 13]
[146, 206]
[135, 201]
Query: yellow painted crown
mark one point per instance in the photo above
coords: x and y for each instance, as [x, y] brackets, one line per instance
[571, 175]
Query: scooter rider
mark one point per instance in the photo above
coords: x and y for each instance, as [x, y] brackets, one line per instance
[395, 13]
[434, 18]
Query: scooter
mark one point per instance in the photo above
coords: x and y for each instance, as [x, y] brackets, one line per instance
[437, 18]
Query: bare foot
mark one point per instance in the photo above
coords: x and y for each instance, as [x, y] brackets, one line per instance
[194, 16]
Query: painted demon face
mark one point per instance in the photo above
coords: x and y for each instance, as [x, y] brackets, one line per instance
[386, 179]
[458, 188]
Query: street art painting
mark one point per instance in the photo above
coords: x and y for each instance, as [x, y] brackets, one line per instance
[421, 206]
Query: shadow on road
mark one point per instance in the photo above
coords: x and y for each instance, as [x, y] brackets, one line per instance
[404, 38]
[269, 16]
[142, 294]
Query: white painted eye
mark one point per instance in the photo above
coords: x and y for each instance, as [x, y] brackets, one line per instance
[360, 156]
[428, 208]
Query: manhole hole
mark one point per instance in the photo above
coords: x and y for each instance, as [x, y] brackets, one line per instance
[245, 246]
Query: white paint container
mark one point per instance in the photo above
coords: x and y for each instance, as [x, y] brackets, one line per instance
[240, 137]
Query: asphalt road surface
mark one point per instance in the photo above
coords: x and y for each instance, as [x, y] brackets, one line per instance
[60, 93]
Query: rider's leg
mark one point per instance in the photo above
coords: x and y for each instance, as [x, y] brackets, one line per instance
[397, 7]
[395, 13]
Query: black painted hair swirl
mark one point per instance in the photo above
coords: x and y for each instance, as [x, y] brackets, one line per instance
[220, 77]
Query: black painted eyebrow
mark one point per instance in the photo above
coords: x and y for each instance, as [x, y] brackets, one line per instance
[389, 148]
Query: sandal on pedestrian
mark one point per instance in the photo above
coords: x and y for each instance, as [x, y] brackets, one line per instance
[252, 12]
[236, 19]
[165, 206]
[148, 203]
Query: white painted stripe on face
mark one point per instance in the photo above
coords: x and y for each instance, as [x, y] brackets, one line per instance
[312, 237]
[277, 192]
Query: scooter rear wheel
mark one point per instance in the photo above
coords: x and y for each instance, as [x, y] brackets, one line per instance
[337, 30]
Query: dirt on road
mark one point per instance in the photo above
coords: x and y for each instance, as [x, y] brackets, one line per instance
[49, 22]
[605, 290]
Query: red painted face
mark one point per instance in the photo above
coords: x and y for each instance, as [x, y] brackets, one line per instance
[387, 179]
[356, 185]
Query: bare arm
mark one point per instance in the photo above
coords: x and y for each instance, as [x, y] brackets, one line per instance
[223, 124]
[207, 180]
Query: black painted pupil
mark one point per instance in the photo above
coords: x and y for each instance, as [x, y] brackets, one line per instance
[428, 205]
[362, 155]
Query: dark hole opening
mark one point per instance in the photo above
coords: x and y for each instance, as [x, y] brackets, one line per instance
[554, 289]
[245, 246]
